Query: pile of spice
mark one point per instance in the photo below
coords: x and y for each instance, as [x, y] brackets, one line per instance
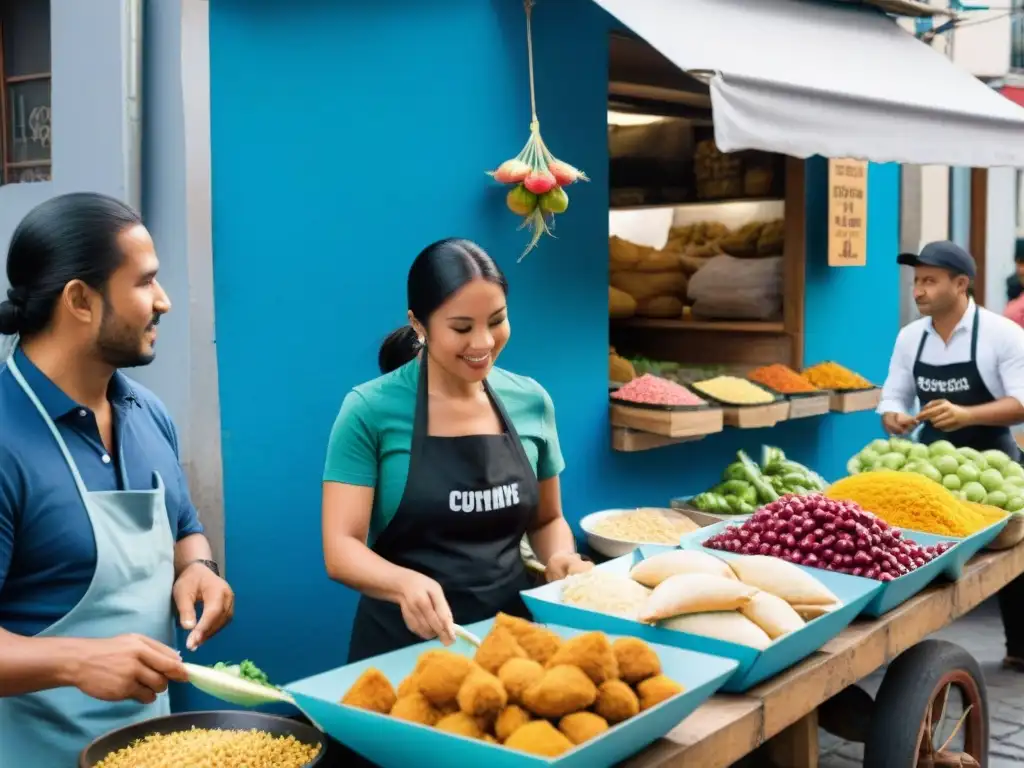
[912, 501]
[734, 391]
[782, 379]
[830, 375]
[652, 390]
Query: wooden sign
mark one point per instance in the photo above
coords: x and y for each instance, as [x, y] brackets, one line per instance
[847, 213]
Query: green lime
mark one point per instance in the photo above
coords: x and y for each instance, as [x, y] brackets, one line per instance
[952, 482]
[900, 445]
[996, 459]
[930, 472]
[893, 460]
[918, 451]
[947, 465]
[992, 479]
[853, 466]
[879, 446]
[974, 491]
[996, 499]
[1013, 470]
[1014, 504]
[969, 473]
[868, 457]
[941, 448]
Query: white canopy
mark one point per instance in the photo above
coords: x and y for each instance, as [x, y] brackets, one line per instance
[806, 78]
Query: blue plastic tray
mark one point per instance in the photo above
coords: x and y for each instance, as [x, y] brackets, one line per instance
[545, 603]
[395, 743]
[891, 594]
[965, 549]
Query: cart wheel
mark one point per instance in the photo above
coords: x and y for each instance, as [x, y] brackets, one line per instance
[910, 708]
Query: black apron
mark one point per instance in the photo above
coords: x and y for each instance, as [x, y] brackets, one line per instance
[960, 384]
[467, 503]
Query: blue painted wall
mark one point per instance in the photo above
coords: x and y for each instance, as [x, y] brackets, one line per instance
[348, 136]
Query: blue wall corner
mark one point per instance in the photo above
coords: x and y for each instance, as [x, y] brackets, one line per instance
[343, 142]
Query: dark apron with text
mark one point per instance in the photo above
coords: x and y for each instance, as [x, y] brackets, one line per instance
[467, 503]
[960, 384]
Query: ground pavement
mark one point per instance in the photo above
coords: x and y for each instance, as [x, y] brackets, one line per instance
[981, 634]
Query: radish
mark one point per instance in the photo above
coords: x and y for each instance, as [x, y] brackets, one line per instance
[540, 181]
[511, 171]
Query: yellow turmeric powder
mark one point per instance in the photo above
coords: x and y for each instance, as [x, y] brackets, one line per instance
[912, 501]
[834, 376]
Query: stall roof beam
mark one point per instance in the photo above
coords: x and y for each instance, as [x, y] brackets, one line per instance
[804, 78]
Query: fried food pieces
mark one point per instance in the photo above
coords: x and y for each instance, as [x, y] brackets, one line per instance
[525, 688]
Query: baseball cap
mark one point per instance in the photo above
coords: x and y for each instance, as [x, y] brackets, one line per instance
[944, 254]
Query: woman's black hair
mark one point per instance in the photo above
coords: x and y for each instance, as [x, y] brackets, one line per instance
[439, 270]
[69, 237]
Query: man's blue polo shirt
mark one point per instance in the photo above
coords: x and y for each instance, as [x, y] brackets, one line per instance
[47, 548]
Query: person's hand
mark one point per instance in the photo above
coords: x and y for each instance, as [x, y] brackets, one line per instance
[424, 608]
[945, 416]
[198, 584]
[125, 667]
[562, 564]
[898, 423]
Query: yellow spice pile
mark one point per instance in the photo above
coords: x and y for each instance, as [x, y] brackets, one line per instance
[909, 500]
[213, 748]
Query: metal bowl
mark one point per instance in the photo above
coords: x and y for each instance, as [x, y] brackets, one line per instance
[184, 721]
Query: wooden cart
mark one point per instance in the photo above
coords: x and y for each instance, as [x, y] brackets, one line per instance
[784, 711]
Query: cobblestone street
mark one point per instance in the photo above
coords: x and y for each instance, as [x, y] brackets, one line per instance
[981, 634]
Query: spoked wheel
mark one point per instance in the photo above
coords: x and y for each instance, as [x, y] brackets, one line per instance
[931, 711]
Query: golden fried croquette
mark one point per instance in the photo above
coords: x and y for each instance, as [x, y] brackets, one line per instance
[408, 686]
[498, 647]
[539, 643]
[449, 709]
[655, 690]
[591, 652]
[481, 694]
[539, 737]
[637, 660]
[582, 726]
[616, 701]
[490, 739]
[442, 675]
[415, 708]
[461, 724]
[562, 690]
[517, 675]
[510, 720]
[371, 691]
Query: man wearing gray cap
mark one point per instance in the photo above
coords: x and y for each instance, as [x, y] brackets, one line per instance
[964, 366]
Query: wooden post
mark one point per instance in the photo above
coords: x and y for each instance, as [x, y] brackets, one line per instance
[797, 746]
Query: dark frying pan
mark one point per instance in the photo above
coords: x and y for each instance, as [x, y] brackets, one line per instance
[226, 720]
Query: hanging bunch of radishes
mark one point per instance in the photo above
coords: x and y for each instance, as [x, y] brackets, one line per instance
[538, 178]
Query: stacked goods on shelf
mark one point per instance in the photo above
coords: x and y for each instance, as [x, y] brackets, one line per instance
[830, 375]
[913, 501]
[653, 279]
[757, 239]
[620, 304]
[732, 390]
[745, 485]
[620, 370]
[696, 243]
[783, 379]
[731, 288]
[991, 477]
[718, 174]
[819, 532]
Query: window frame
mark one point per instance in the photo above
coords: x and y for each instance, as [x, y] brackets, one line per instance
[7, 165]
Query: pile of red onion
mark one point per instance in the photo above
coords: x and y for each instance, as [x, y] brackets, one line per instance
[822, 533]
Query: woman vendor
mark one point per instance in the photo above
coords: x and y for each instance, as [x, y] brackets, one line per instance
[436, 469]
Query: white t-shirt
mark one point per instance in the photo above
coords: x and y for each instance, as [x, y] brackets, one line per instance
[1000, 357]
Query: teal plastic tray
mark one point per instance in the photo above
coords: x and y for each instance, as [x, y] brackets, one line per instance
[393, 743]
[545, 603]
[965, 549]
[891, 594]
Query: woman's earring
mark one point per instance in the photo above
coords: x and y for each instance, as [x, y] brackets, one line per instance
[420, 340]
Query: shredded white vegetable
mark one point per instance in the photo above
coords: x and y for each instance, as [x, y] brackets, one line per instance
[609, 593]
[646, 526]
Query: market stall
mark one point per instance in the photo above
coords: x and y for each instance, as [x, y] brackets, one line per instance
[441, 99]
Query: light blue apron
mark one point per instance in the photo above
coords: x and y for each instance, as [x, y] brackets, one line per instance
[130, 592]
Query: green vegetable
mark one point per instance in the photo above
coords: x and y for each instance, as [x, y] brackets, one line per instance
[246, 671]
[735, 471]
[734, 487]
[765, 491]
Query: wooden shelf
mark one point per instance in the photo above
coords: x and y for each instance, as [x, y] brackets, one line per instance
[698, 203]
[711, 326]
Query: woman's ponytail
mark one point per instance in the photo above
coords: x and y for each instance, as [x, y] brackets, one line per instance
[400, 347]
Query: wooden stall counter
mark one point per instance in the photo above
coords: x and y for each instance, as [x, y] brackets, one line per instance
[728, 728]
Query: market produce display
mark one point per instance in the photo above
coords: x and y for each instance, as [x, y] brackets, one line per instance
[829, 375]
[620, 304]
[733, 390]
[745, 485]
[538, 179]
[644, 526]
[651, 390]
[989, 477]
[820, 532]
[782, 379]
[199, 746]
[696, 243]
[910, 500]
[604, 592]
[525, 688]
[652, 279]
[652, 571]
